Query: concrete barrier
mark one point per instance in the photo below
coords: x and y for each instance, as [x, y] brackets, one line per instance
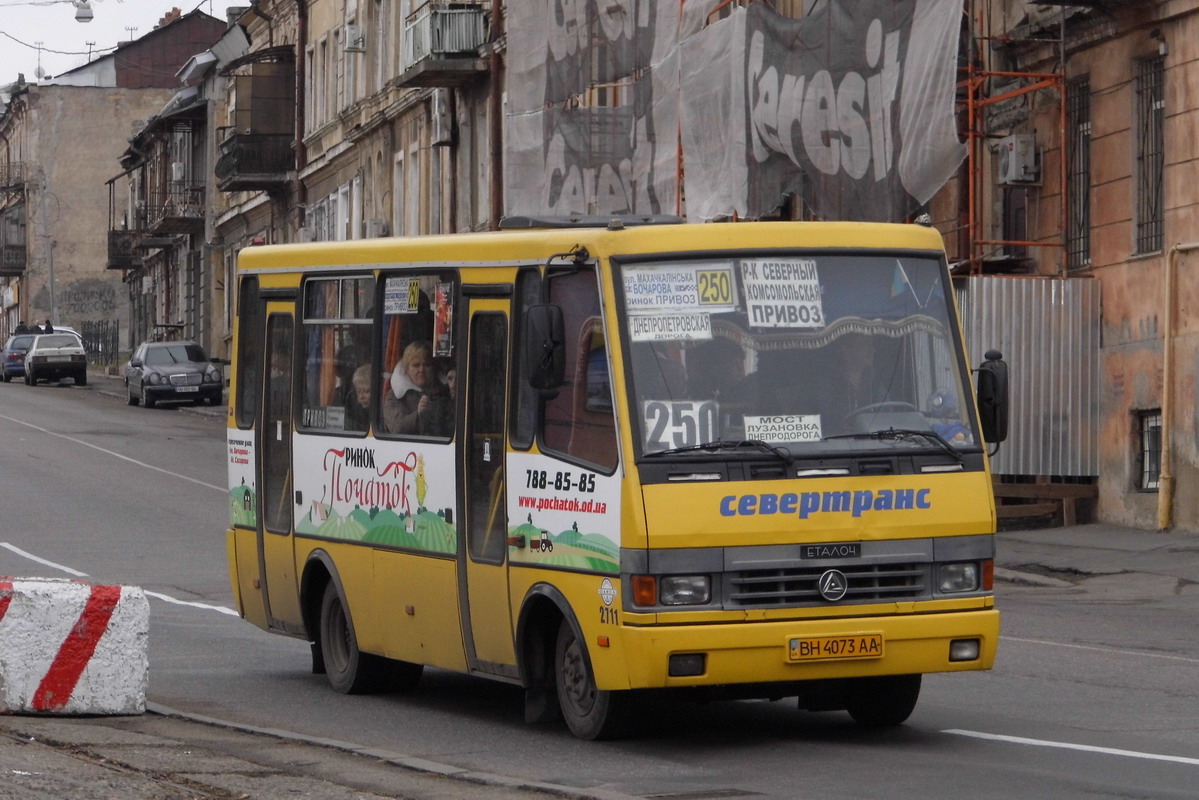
[68, 647]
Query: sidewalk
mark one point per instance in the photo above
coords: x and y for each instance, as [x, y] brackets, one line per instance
[159, 756]
[1047, 557]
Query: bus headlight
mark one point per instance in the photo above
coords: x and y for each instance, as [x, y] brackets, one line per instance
[684, 590]
[960, 577]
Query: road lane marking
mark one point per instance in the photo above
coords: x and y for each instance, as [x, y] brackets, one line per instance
[106, 451]
[1086, 748]
[1097, 649]
[42, 561]
[166, 598]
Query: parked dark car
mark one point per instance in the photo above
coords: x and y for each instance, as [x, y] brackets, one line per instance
[12, 357]
[172, 371]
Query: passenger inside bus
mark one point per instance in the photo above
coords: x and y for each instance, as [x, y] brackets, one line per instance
[358, 402]
[417, 403]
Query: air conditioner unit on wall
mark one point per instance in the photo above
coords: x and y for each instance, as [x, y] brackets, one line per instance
[355, 39]
[1018, 159]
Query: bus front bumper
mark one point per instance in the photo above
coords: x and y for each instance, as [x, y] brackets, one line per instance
[785, 651]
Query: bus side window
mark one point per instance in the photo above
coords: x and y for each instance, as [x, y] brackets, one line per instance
[337, 344]
[418, 356]
[579, 420]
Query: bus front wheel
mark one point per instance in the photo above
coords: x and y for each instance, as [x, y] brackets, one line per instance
[348, 669]
[590, 713]
[884, 701]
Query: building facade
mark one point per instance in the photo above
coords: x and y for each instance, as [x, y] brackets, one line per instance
[61, 141]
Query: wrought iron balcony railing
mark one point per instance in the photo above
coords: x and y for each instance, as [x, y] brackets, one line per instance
[254, 161]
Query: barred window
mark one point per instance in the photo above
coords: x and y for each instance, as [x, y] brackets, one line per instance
[1150, 144]
[1149, 454]
[1078, 174]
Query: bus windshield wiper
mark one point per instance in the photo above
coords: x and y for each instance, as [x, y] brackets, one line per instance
[729, 444]
[906, 434]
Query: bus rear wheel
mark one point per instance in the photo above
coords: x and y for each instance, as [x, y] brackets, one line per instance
[590, 713]
[348, 669]
[884, 701]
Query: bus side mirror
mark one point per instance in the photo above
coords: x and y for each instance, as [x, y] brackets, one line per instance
[545, 348]
[993, 397]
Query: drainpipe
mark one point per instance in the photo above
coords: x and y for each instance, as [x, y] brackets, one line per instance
[301, 111]
[1165, 481]
[495, 122]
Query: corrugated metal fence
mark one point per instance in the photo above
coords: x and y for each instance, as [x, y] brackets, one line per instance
[1048, 332]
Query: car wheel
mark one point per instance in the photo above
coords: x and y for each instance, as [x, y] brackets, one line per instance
[81, 379]
[590, 713]
[132, 399]
[884, 701]
[348, 669]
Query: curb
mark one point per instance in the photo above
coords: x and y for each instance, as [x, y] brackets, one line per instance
[69, 647]
[402, 760]
[1030, 579]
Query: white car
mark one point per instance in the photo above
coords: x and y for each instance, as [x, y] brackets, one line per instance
[54, 356]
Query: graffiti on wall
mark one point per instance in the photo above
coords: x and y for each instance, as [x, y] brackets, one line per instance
[88, 298]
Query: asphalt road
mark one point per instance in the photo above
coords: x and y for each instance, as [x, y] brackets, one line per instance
[1094, 693]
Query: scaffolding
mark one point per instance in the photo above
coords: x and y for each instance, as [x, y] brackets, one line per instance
[977, 81]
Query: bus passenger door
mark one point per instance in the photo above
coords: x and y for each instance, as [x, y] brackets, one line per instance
[275, 503]
[487, 617]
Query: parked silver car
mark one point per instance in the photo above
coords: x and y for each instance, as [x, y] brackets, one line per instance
[54, 356]
[178, 371]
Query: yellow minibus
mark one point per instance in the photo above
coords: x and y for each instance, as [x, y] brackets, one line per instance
[597, 456]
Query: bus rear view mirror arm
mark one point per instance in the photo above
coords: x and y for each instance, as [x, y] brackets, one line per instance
[545, 351]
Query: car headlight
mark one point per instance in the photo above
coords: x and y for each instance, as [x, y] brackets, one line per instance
[153, 378]
[684, 590]
[212, 376]
[959, 577]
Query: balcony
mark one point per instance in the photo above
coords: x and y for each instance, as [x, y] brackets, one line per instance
[179, 209]
[254, 162]
[441, 45]
[12, 176]
[124, 249]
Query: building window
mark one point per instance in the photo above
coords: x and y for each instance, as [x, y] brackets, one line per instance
[1149, 454]
[1078, 174]
[1150, 116]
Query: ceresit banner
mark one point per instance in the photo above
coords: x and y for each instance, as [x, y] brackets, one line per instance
[850, 107]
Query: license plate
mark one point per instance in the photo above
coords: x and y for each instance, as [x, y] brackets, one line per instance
[187, 388]
[58, 358]
[823, 648]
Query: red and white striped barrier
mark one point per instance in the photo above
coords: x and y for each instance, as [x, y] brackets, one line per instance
[68, 647]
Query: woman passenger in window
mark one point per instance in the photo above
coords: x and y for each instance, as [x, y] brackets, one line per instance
[418, 402]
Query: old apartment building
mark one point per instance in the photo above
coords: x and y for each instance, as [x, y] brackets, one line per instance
[61, 140]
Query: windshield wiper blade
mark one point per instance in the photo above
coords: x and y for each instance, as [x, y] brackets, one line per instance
[906, 434]
[728, 444]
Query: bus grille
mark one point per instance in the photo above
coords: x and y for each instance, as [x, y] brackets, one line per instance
[796, 586]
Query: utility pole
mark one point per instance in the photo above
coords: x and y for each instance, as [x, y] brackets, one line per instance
[48, 243]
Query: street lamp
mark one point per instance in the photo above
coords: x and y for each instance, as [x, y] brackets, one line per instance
[83, 11]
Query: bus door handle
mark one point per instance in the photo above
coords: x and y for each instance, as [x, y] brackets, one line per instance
[299, 497]
[516, 541]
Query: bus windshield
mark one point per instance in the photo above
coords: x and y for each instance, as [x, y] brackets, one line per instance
[808, 352]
